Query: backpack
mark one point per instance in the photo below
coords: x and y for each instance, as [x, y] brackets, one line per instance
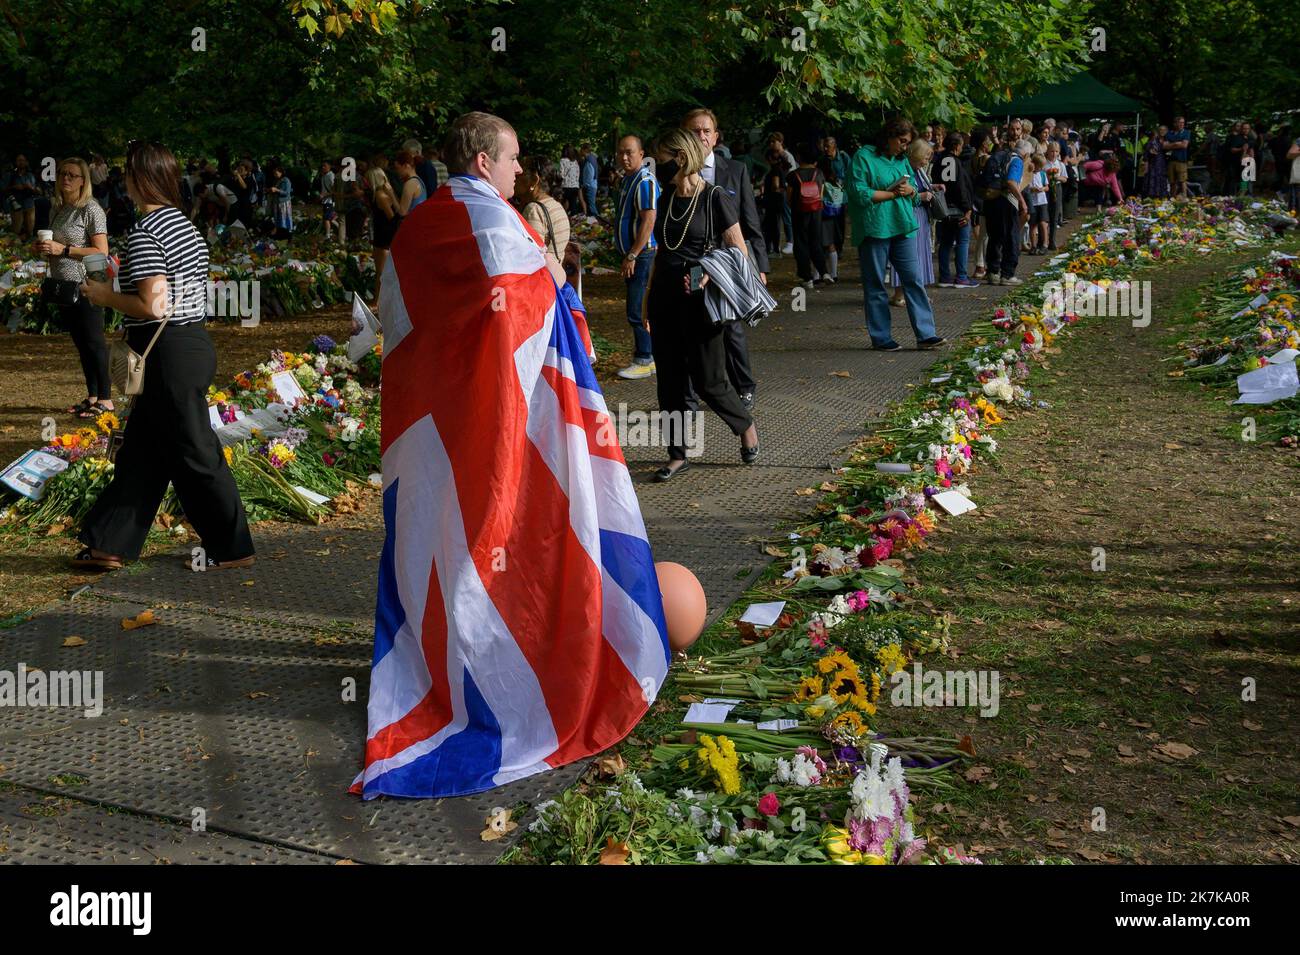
[810, 194]
[832, 200]
[989, 180]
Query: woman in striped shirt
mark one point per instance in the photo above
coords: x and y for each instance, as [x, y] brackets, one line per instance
[169, 437]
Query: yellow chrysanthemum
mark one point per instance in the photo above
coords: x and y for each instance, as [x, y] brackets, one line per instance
[718, 758]
[891, 659]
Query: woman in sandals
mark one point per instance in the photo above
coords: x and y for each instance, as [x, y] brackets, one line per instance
[169, 438]
[80, 229]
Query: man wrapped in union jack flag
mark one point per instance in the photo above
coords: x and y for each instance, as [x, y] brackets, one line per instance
[519, 624]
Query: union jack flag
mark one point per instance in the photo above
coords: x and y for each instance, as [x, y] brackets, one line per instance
[518, 625]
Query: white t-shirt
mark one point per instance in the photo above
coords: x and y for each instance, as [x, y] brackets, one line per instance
[1040, 182]
[225, 195]
[1056, 165]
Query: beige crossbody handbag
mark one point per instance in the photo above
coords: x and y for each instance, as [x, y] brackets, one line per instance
[126, 365]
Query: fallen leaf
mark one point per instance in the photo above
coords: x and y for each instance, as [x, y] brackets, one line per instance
[249, 583]
[1092, 855]
[1142, 658]
[607, 767]
[258, 694]
[841, 374]
[347, 862]
[967, 745]
[1081, 753]
[1292, 821]
[977, 773]
[499, 825]
[74, 641]
[142, 619]
[1198, 721]
[1176, 750]
[614, 853]
[1126, 752]
[806, 491]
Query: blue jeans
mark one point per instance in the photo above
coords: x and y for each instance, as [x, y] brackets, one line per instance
[589, 192]
[874, 255]
[949, 233]
[636, 286]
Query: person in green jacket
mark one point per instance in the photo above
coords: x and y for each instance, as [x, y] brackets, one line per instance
[881, 197]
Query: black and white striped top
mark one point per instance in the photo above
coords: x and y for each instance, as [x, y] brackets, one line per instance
[164, 242]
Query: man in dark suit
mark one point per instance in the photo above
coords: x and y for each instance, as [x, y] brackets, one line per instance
[733, 176]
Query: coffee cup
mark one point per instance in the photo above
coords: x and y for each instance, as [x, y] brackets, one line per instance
[44, 235]
[96, 265]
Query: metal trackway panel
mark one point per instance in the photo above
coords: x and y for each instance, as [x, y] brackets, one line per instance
[233, 703]
[242, 719]
[304, 576]
[55, 830]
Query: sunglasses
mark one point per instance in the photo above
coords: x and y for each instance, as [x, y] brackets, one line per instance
[135, 144]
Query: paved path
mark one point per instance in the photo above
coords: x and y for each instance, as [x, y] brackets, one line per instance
[231, 712]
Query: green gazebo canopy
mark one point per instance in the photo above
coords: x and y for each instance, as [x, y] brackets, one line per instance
[1080, 95]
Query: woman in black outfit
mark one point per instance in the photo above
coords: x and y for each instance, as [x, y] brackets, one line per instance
[688, 346]
[80, 229]
[169, 439]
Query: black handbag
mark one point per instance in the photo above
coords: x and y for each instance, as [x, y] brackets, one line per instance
[61, 292]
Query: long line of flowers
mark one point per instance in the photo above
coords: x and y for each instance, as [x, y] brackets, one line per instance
[292, 279]
[326, 444]
[809, 765]
[1245, 323]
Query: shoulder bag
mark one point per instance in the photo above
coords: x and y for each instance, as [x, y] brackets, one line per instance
[550, 227]
[126, 365]
[61, 291]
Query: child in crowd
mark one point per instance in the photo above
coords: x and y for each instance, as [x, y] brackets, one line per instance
[1039, 207]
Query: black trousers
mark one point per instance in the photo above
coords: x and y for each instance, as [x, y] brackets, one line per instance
[1002, 221]
[85, 323]
[169, 439]
[809, 253]
[690, 350]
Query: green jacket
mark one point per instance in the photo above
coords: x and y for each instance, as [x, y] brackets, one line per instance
[868, 172]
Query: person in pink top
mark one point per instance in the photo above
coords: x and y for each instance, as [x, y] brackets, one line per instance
[1101, 180]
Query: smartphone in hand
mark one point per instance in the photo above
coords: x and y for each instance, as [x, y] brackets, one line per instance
[697, 278]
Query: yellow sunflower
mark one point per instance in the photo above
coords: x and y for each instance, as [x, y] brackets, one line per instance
[810, 687]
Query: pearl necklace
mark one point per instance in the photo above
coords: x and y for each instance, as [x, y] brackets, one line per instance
[689, 214]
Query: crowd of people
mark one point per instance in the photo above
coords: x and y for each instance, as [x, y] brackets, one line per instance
[925, 206]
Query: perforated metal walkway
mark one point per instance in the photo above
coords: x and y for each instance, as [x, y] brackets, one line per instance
[231, 710]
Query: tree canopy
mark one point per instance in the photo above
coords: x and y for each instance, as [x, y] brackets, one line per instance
[308, 77]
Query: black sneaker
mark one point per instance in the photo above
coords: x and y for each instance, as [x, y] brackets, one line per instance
[934, 341]
[888, 346]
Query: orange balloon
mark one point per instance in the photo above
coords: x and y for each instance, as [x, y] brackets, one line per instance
[685, 606]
